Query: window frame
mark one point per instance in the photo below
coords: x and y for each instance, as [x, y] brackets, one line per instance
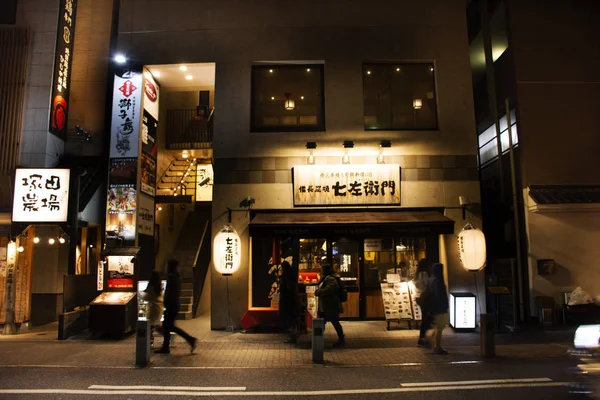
[401, 63]
[320, 127]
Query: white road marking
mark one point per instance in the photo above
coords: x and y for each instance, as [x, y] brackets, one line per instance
[479, 382]
[146, 387]
[280, 393]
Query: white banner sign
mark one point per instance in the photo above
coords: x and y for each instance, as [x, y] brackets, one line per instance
[100, 277]
[125, 123]
[41, 195]
[346, 184]
[145, 217]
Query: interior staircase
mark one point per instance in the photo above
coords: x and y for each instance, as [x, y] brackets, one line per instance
[186, 252]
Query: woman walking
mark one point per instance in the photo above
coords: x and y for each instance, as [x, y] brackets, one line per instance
[439, 305]
[154, 309]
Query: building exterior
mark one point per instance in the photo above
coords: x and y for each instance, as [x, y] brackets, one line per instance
[365, 98]
[540, 198]
[254, 155]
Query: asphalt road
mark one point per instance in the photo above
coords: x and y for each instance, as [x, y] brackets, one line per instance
[491, 380]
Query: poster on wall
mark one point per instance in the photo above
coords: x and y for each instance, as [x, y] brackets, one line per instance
[121, 215]
[346, 184]
[41, 195]
[122, 172]
[204, 192]
[148, 175]
[120, 272]
[100, 277]
[145, 217]
[125, 122]
[61, 81]
[149, 129]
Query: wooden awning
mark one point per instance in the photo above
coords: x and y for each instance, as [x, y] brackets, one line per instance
[349, 223]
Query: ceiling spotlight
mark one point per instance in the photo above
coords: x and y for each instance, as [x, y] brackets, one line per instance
[307, 69]
[61, 240]
[36, 240]
[51, 241]
[270, 71]
[188, 77]
[417, 104]
[120, 58]
[20, 249]
[185, 154]
[301, 97]
[159, 208]
[368, 72]
[398, 69]
[182, 68]
[272, 97]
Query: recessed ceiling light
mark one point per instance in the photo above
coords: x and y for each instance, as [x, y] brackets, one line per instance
[182, 68]
[307, 69]
[301, 97]
[272, 97]
[120, 58]
[188, 77]
[271, 71]
[368, 72]
[398, 69]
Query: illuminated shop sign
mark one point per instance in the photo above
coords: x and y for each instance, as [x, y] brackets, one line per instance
[41, 195]
[346, 184]
[462, 310]
[62, 67]
[120, 272]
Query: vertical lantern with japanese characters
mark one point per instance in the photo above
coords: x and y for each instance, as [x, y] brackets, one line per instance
[471, 248]
[227, 252]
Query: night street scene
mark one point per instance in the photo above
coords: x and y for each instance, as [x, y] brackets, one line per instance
[299, 199]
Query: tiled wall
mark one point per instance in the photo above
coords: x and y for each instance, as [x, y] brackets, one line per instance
[278, 169]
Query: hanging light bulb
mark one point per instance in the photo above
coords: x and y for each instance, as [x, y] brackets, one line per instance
[61, 240]
[51, 241]
[20, 249]
[36, 240]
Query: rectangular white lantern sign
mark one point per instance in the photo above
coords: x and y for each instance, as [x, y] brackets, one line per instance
[346, 184]
[41, 195]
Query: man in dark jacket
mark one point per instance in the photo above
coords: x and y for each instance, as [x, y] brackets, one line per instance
[289, 304]
[171, 299]
[330, 304]
[438, 304]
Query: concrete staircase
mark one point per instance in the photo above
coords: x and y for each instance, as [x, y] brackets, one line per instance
[186, 251]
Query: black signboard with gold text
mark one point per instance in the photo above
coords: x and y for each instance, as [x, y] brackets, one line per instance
[63, 60]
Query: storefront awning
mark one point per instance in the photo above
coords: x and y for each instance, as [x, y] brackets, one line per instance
[350, 223]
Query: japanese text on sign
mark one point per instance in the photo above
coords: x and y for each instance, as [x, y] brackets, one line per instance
[344, 184]
[41, 195]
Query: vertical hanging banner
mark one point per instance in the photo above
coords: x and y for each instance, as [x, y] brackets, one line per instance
[122, 196]
[63, 59]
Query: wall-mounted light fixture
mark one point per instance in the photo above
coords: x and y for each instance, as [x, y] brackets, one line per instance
[289, 104]
[311, 158]
[383, 144]
[417, 104]
[348, 144]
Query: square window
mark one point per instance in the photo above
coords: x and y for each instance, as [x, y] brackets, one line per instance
[399, 96]
[287, 98]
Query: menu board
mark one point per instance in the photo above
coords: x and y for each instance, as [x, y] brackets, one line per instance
[114, 298]
[396, 300]
[417, 314]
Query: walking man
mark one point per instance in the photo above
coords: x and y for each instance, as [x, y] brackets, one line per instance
[171, 300]
[330, 303]
[439, 305]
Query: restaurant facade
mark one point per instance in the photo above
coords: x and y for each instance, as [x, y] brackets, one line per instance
[343, 133]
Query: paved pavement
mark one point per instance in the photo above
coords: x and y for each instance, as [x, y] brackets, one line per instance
[368, 344]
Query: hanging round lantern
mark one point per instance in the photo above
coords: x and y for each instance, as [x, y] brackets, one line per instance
[471, 248]
[227, 254]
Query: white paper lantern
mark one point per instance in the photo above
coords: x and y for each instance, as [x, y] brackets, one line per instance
[471, 248]
[227, 253]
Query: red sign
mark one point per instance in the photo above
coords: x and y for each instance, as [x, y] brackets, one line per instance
[127, 88]
[151, 91]
[120, 283]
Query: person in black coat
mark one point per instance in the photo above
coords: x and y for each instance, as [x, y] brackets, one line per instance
[171, 299]
[289, 304]
[330, 303]
[438, 305]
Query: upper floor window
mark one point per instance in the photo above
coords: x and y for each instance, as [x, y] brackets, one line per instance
[399, 96]
[287, 98]
[8, 12]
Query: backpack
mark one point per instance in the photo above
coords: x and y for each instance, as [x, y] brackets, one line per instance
[343, 290]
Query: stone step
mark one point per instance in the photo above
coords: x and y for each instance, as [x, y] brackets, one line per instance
[187, 293]
[185, 307]
[184, 315]
[186, 300]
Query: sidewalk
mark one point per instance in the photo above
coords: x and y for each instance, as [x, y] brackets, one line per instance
[368, 343]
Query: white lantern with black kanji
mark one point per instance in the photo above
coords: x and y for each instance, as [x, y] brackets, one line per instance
[471, 248]
[227, 251]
